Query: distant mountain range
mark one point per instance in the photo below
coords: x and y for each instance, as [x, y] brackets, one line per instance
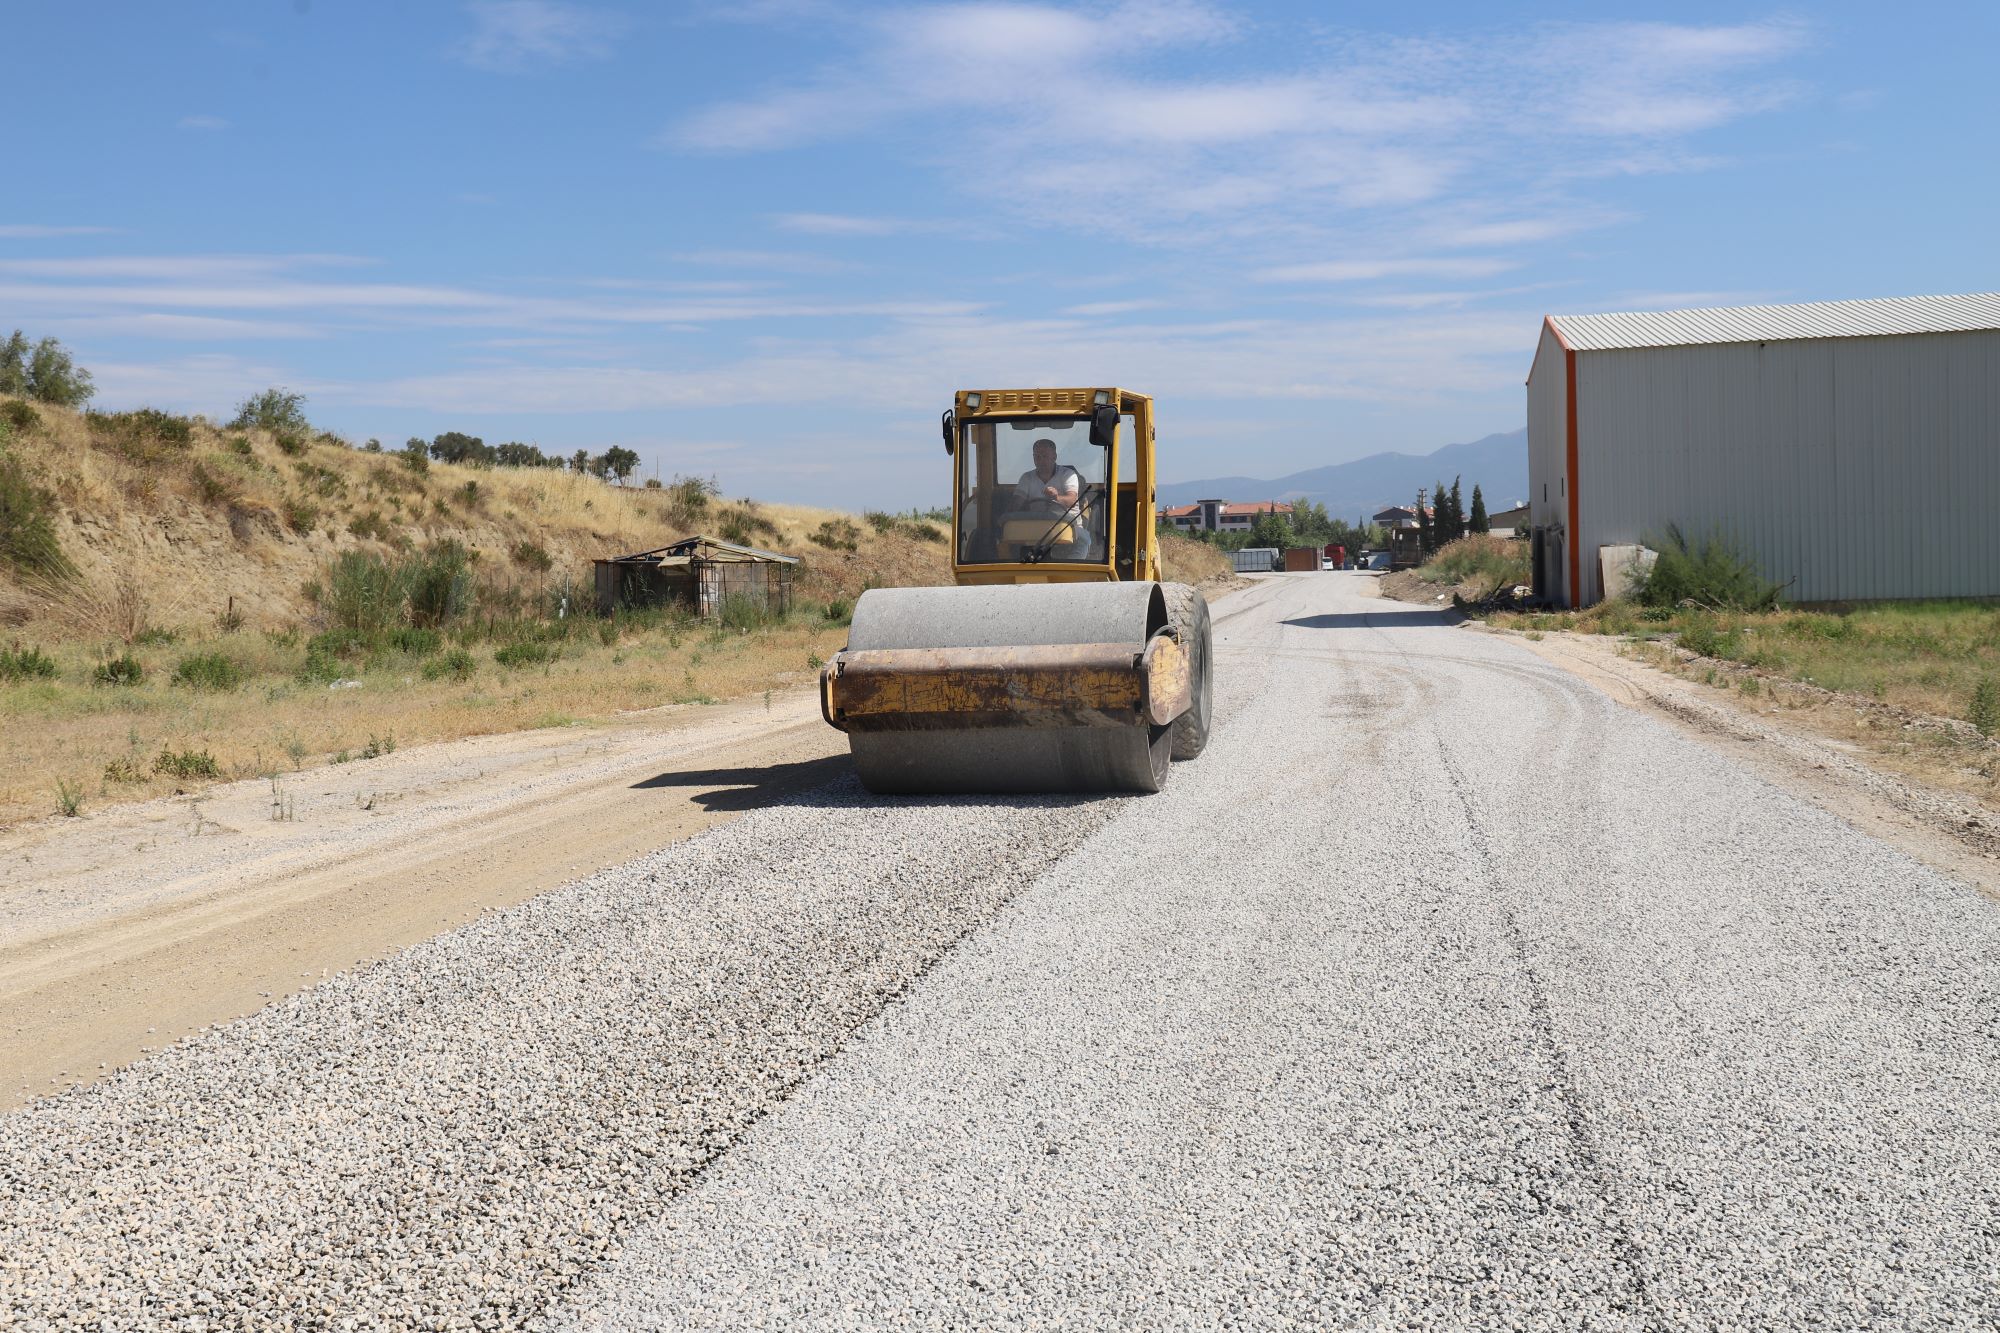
[1498, 464]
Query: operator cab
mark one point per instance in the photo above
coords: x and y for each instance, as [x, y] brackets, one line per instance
[1031, 491]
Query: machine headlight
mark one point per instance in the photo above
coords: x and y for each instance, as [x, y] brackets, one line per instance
[1102, 398]
[972, 401]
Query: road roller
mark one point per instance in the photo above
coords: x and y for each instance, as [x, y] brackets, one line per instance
[1060, 661]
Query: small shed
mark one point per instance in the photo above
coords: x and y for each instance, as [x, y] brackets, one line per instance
[699, 573]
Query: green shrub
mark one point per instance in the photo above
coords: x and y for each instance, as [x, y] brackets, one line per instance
[743, 525]
[530, 555]
[363, 591]
[1477, 558]
[214, 485]
[31, 663]
[1703, 636]
[208, 671]
[440, 583]
[415, 640]
[187, 764]
[370, 523]
[687, 499]
[43, 372]
[927, 532]
[1984, 711]
[836, 534]
[840, 611]
[291, 443]
[273, 410]
[1712, 572]
[743, 611]
[457, 664]
[525, 652]
[124, 669]
[142, 428]
[240, 446]
[416, 457]
[20, 416]
[28, 539]
[879, 521]
[301, 515]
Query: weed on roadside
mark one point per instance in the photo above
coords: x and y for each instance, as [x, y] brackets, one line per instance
[31, 663]
[208, 671]
[187, 764]
[1984, 711]
[69, 798]
[124, 669]
[123, 770]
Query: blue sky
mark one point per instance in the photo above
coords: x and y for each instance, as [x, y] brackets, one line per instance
[766, 240]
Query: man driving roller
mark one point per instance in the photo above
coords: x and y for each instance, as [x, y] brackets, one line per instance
[1048, 481]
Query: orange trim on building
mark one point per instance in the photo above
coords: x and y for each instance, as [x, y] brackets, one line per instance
[1572, 540]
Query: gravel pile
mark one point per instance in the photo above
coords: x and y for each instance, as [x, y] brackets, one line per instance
[445, 1139]
[1441, 993]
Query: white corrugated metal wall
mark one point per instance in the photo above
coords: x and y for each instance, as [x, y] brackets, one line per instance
[1855, 468]
[1548, 445]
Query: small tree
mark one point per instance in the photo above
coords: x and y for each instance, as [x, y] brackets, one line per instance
[1457, 512]
[579, 462]
[14, 365]
[1480, 523]
[458, 447]
[619, 462]
[274, 409]
[1272, 530]
[54, 378]
[1425, 531]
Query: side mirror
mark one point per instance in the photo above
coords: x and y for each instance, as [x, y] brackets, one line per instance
[1104, 426]
[950, 433]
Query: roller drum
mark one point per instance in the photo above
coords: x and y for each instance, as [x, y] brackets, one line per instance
[1011, 758]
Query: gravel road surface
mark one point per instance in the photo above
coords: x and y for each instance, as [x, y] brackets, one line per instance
[1442, 992]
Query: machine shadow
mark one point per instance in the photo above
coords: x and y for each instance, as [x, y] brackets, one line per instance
[750, 788]
[1379, 619]
[826, 783]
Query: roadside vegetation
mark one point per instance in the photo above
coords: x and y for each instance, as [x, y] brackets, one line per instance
[1481, 562]
[184, 602]
[1908, 678]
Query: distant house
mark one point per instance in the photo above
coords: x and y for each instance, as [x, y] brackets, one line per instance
[1221, 515]
[1398, 516]
[1507, 522]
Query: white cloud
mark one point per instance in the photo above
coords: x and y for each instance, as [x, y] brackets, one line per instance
[201, 123]
[837, 224]
[1362, 128]
[171, 267]
[771, 261]
[512, 35]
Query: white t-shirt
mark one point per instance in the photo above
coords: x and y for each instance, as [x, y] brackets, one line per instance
[1063, 478]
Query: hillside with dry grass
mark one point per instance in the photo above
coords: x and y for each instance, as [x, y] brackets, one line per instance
[182, 603]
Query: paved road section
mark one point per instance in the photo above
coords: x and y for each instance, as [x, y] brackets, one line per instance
[1441, 992]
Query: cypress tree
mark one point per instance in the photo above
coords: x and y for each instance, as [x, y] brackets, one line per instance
[1479, 519]
[1457, 512]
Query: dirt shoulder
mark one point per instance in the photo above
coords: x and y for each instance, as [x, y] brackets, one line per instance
[1952, 831]
[122, 932]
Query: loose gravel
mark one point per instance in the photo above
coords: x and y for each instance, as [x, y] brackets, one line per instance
[448, 1138]
[1442, 993]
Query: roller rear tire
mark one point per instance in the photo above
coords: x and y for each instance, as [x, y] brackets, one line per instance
[1187, 612]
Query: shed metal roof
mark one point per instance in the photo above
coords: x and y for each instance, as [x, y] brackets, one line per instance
[1780, 323]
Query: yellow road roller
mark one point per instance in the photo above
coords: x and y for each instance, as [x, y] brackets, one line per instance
[1060, 662]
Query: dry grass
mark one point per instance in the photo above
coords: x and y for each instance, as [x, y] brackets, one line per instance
[1900, 680]
[106, 739]
[199, 543]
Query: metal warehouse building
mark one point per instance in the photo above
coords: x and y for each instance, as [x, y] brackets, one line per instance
[1852, 448]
